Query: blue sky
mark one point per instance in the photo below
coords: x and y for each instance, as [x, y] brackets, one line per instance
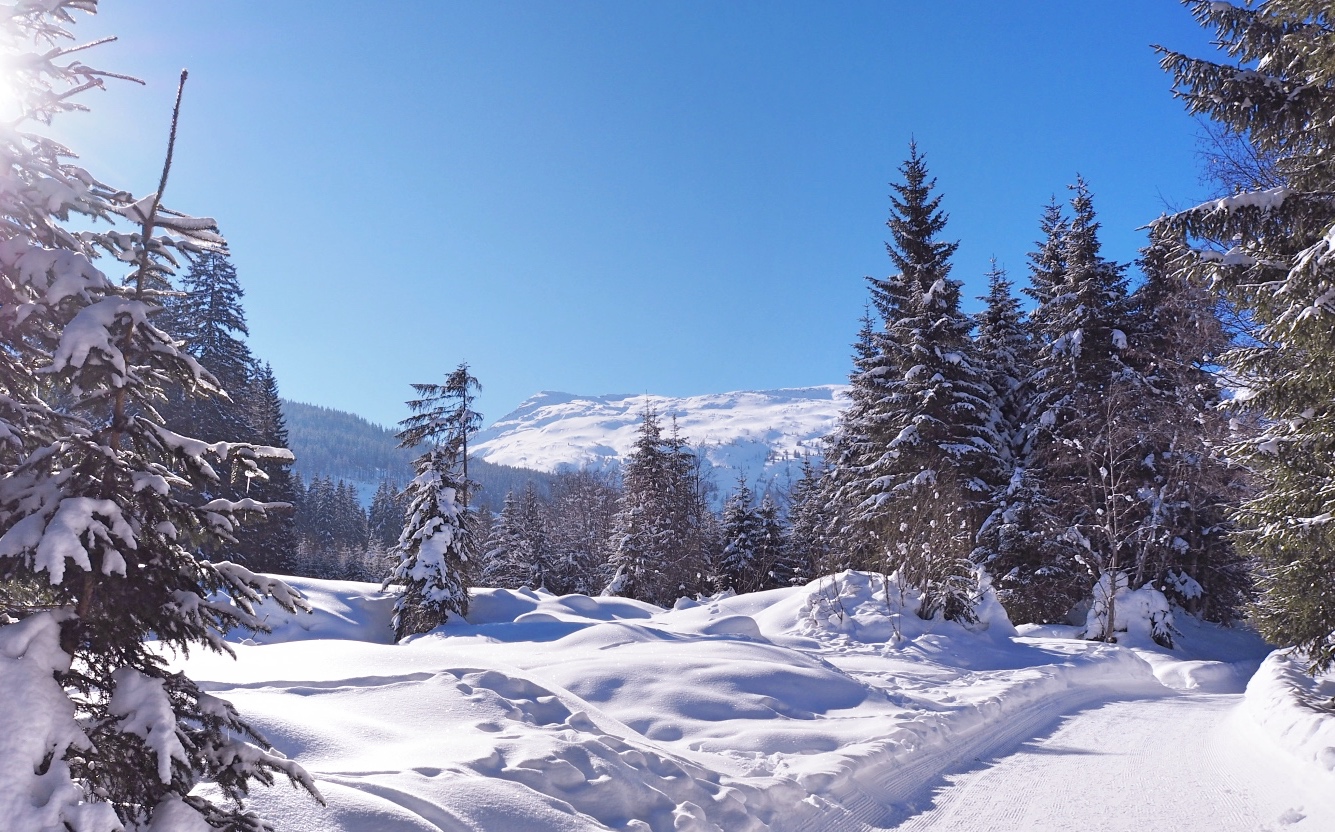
[601, 197]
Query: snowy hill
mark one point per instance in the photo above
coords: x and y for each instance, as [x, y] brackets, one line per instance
[816, 708]
[761, 434]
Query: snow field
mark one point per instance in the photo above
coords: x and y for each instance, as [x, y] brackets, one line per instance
[811, 708]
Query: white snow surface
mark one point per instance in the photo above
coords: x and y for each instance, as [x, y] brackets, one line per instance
[811, 708]
[759, 434]
[1296, 710]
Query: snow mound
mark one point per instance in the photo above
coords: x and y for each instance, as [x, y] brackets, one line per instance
[1296, 710]
[350, 610]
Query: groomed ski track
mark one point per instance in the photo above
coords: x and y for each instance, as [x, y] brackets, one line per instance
[1095, 763]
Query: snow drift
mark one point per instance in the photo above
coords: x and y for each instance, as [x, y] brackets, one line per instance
[1296, 710]
[809, 708]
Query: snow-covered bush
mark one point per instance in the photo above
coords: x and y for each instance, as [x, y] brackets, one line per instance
[1144, 614]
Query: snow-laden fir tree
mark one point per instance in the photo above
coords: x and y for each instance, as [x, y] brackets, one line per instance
[582, 512]
[1019, 526]
[1005, 353]
[102, 506]
[921, 438]
[664, 533]
[520, 553]
[1189, 487]
[807, 542]
[436, 549]
[782, 567]
[209, 317]
[1271, 252]
[385, 516]
[739, 566]
[271, 545]
[1079, 454]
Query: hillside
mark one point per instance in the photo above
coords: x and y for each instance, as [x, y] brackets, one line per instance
[761, 435]
[334, 443]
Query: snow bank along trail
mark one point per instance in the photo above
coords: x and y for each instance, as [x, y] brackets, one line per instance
[824, 707]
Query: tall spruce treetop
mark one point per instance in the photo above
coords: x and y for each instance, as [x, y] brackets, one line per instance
[436, 548]
[212, 321]
[1005, 351]
[103, 507]
[1271, 252]
[642, 535]
[935, 416]
[1081, 321]
[922, 422]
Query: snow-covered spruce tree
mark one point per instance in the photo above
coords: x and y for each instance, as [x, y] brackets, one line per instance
[930, 425]
[1188, 487]
[739, 568]
[640, 554]
[1271, 253]
[693, 524]
[385, 516]
[1078, 451]
[1005, 353]
[664, 534]
[1020, 542]
[782, 567]
[806, 543]
[208, 316]
[583, 510]
[102, 506]
[824, 522]
[271, 545]
[436, 549]
[520, 553]
[1018, 526]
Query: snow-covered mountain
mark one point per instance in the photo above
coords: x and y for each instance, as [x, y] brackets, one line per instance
[760, 434]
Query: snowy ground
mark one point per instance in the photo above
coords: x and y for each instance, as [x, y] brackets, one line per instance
[813, 708]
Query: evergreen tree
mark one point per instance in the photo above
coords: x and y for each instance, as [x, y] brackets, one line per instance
[270, 545]
[664, 534]
[436, 549]
[105, 507]
[1184, 542]
[808, 545]
[640, 555]
[580, 521]
[740, 568]
[1072, 494]
[520, 554]
[1005, 353]
[922, 426]
[385, 519]
[1269, 252]
[780, 567]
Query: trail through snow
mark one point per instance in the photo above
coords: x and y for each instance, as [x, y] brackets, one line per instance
[1180, 762]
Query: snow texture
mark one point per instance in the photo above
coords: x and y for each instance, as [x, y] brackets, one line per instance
[1297, 711]
[37, 727]
[804, 708]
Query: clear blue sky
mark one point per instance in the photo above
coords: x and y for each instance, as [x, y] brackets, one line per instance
[597, 197]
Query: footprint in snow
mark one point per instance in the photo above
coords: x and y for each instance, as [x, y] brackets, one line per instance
[1289, 816]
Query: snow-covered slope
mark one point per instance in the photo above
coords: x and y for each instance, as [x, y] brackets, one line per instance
[760, 434]
[808, 709]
